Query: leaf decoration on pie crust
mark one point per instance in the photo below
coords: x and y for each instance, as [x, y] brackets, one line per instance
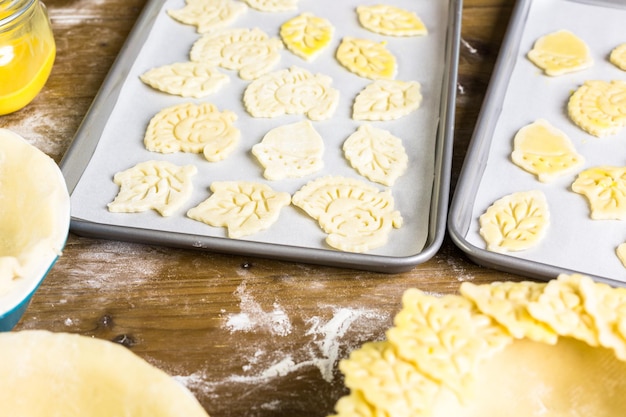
[376, 154]
[618, 56]
[158, 185]
[515, 222]
[357, 216]
[250, 51]
[307, 35]
[605, 189]
[366, 58]
[387, 100]
[208, 15]
[390, 20]
[193, 128]
[291, 91]
[273, 5]
[244, 208]
[560, 52]
[599, 107]
[290, 151]
[545, 151]
[186, 79]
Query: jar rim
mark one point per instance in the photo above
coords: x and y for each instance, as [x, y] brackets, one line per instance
[13, 9]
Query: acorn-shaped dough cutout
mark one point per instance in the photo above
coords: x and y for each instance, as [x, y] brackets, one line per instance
[560, 53]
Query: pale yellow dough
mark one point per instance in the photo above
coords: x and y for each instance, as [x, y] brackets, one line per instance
[390, 20]
[545, 151]
[599, 107]
[273, 5]
[605, 190]
[47, 374]
[618, 56]
[516, 349]
[620, 251]
[560, 52]
[208, 15]
[306, 35]
[35, 216]
[366, 58]
[186, 79]
[387, 100]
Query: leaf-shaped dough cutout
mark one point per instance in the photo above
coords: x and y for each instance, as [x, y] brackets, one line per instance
[390, 20]
[158, 185]
[208, 15]
[515, 222]
[545, 151]
[357, 216]
[186, 79]
[291, 91]
[599, 107]
[244, 208]
[250, 51]
[376, 154]
[307, 35]
[387, 100]
[605, 189]
[273, 5]
[560, 52]
[193, 128]
[618, 56]
[290, 151]
[366, 58]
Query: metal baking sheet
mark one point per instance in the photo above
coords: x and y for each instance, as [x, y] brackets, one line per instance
[519, 93]
[110, 139]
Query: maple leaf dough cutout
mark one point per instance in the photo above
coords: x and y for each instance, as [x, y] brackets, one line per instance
[291, 91]
[560, 52]
[251, 52]
[273, 5]
[306, 35]
[243, 207]
[515, 222]
[390, 20]
[193, 128]
[208, 15]
[376, 154]
[599, 107]
[357, 216]
[185, 79]
[366, 58]
[605, 190]
[158, 185]
[290, 151]
[387, 100]
[618, 56]
[545, 151]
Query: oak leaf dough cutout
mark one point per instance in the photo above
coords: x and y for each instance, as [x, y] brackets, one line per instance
[243, 207]
[290, 151]
[545, 151]
[208, 15]
[389, 20]
[366, 58]
[599, 107]
[515, 222]
[560, 52]
[273, 5]
[158, 185]
[193, 128]
[251, 52]
[605, 190]
[387, 100]
[356, 216]
[186, 79]
[307, 35]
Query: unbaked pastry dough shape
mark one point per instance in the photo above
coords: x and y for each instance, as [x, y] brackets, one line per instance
[291, 91]
[387, 100]
[390, 20]
[158, 185]
[560, 52]
[506, 348]
[251, 52]
[357, 216]
[306, 35]
[366, 58]
[69, 375]
[376, 154]
[605, 190]
[208, 15]
[545, 151]
[618, 56]
[186, 79]
[290, 151]
[273, 5]
[515, 222]
[620, 251]
[194, 128]
[243, 207]
[599, 107]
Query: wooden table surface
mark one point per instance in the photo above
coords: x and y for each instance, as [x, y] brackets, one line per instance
[249, 337]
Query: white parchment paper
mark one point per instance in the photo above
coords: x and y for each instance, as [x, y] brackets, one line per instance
[574, 241]
[121, 144]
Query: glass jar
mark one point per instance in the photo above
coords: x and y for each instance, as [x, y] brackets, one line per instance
[27, 52]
